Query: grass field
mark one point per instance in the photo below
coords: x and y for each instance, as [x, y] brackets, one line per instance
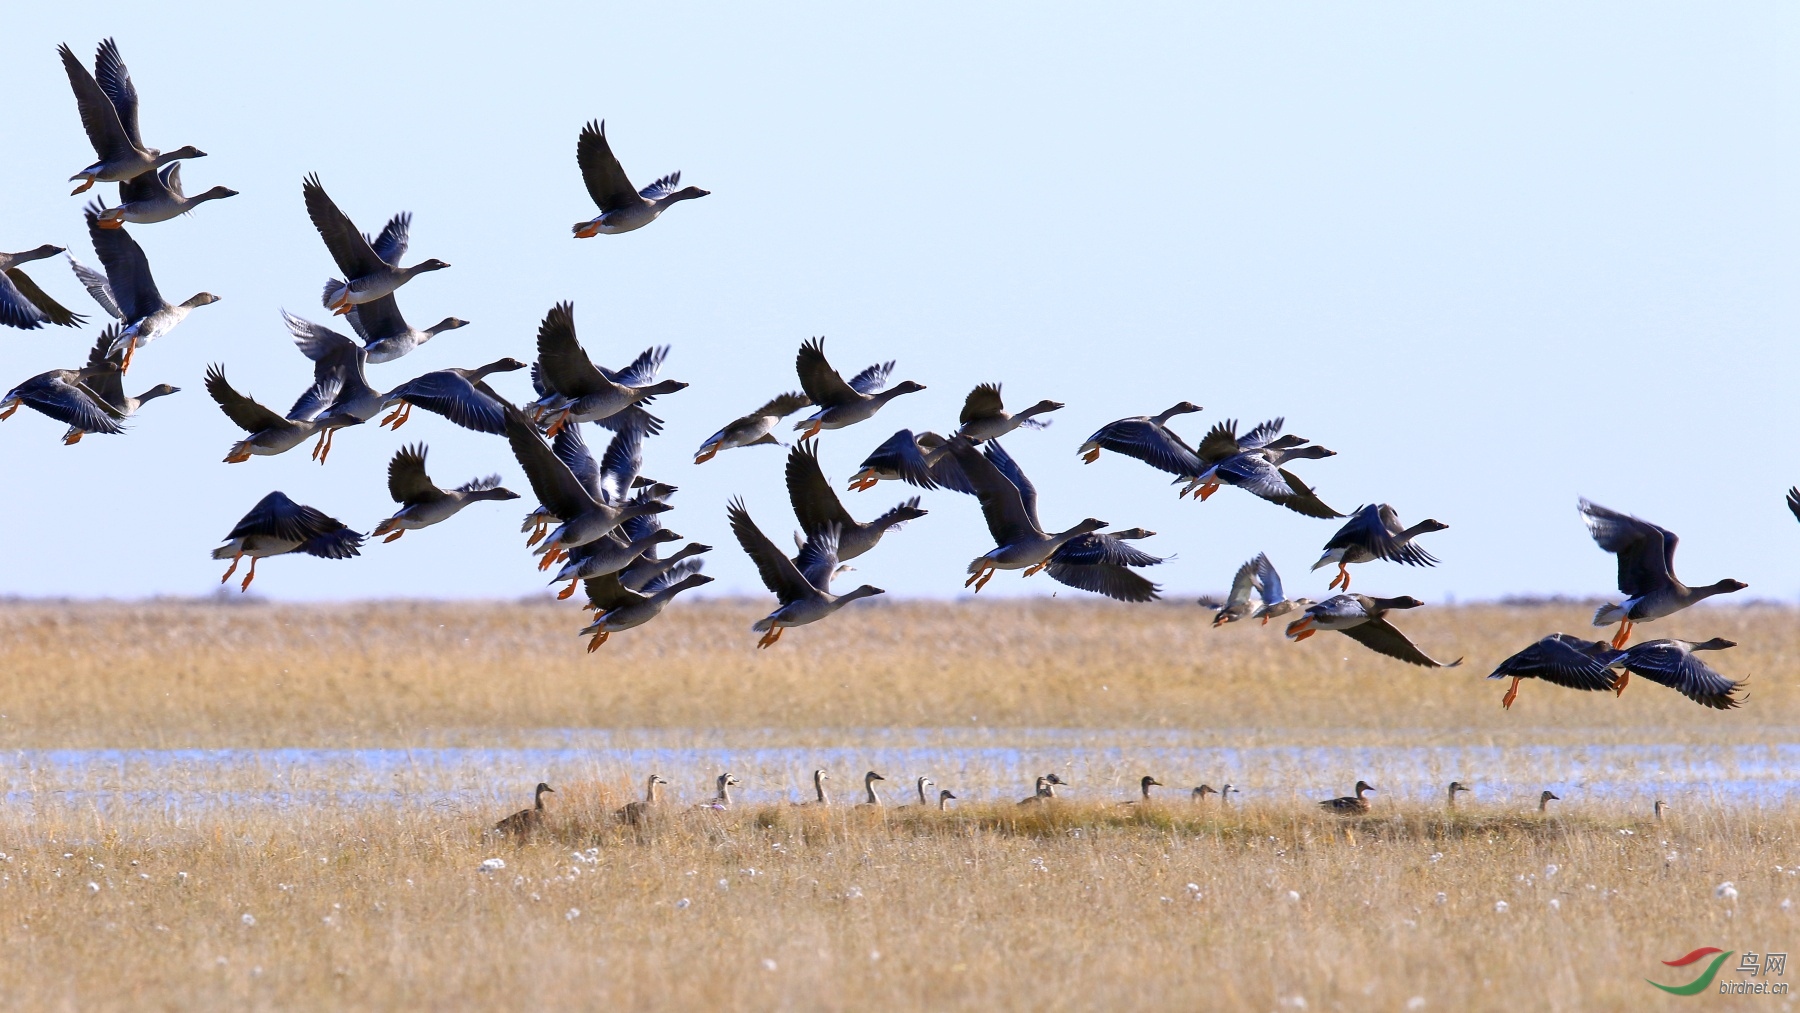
[111, 900]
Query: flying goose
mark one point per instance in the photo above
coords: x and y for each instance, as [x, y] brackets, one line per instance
[608, 555]
[109, 114]
[367, 277]
[1011, 512]
[1374, 532]
[622, 207]
[756, 429]
[1101, 562]
[1149, 439]
[639, 813]
[817, 507]
[153, 197]
[923, 460]
[73, 397]
[1450, 793]
[803, 588]
[583, 392]
[1350, 803]
[1237, 604]
[611, 482]
[276, 526]
[618, 607]
[1563, 660]
[1672, 663]
[460, 395]
[104, 378]
[842, 404]
[1275, 600]
[127, 291]
[1254, 463]
[22, 303]
[1363, 619]
[649, 567]
[422, 503]
[1646, 571]
[584, 518]
[526, 821]
[984, 415]
[270, 433]
[385, 333]
[870, 798]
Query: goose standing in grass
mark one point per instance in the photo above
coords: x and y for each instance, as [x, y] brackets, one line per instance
[460, 395]
[104, 375]
[422, 503]
[1225, 794]
[1560, 659]
[1450, 793]
[1101, 562]
[722, 799]
[153, 197]
[1238, 601]
[584, 518]
[1201, 791]
[870, 799]
[1364, 620]
[367, 277]
[1350, 803]
[22, 303]
[526, 821]
[756, 429]
[984, 415]
[618, 607]
[584, 392]
[1659, 808]
[1374, 532]
[944, 799]
[1646, 571]
[1044, 790]
[109, 114]
[817, 507]
[819, 795]
[1275, 602]
[1545, 799]
[1145, 783]
[924, 800]
[276, 526]
[923, 461]
[1149, 439]
[622, 206]
[801, 586]
[640, 813]
[127, 291]
[270, 433]
[1009, 504]
[1254, 463]
[842, 404]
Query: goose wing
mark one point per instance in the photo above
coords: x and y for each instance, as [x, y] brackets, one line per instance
[781, 406]
[817, 560]
[1268, 582]
[620, 463]
[1262, 435]
[1219, 443]
[1302, 500]
[572, 450]
[816, 505]
[25, 306]
[1646, 552]
[872, 379]
[250, 416]
[1113, 580]
[1243, 584]
[1100, 547]
[673, 575]
[408, 483]
[276, 516]
[128, 275]
[822, 384]
[395, 237]
[556, 486]
[451, 394]
[778, 573]
[900, 454]
[1150, 443]
[1669, 663]
[348, 246]
[69, 402]
[982, 403]
[662, 187]
[115, 82]
[563, 365]
[1002, 502]
[1368, 529]
[373, 321]
[641, 370]
[1380, 636]
[99, 117]
[1563, 660]
[606, 593]
[604, 176]
[98, 288]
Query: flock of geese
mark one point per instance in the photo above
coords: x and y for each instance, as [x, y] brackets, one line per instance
[599, 521]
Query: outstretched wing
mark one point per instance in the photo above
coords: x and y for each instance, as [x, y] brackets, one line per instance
[605, 178]
[778, 572]
[1646, 552]
[348, 246]
[1665, 663]
[242, 409]
[1268, 582]
[1563, 660]
[395, 237]
[822, 384]
[872, 379]
[1380, 636]
[816, 504]
[407, 481]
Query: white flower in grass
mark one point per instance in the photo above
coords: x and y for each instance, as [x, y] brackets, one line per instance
[93, 887]
[249, 919]
[1787, 904]
[492, 864]
[1443, 898]
[1555, 904]
[1552, 869]
[1500, 907]
[767, 964]
[572, 914]
[1725, 891]
[682, 903]
[1417, 1002]
[1293, 896]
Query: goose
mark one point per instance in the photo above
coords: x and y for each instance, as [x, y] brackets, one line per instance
[1374, 532]
[526, 821]
[1101, 562]
[65, 394]
[944, 798]
[270, 434]
[1253, 463]
[460, 395]
[584, 518]
[1145, 783]
[816, 506]
[384, 331]
[984, 415]
[127, 291]
[612, 482]
[1450, 793]
[1350, 803]
[639, 813]
[1646, 571]
[1672, 663]
[1659, 808]
[1545, 799]
[821, 798]
[870, 799]
[367, 277]
[103, 378]
[153, 197]
[923, 799]
[1275, 601]
[722, 800]
[22, 303]
[1045, 789]
[1571, 662]
[587, 394]
[801, 588]
[1363, 619]
[1149, 439]
[610, 554]
[620, 608]
[1237, 604]
[109, 114]
[842, 404]
[648, 567]
[641, 371]
[756, 429]
[276, 526]
[340, 379]
[622, 207]
[923, 461]
[1011, 512]
[1200, 792]
[422, 503]
[1225, 794]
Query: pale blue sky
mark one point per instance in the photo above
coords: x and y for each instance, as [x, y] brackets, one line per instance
[1498, 256]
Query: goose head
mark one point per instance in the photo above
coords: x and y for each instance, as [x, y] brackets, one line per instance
[423, 266]
[1726, 586]
[185, 151]
[43, 252]
[446, 324]
[1087, 526]
[1362, 786]
[1178, 408]
[1548, 796]
[1405, 601]
[685, 193]
[201, 299]
[904, 387]
[160, 390]
[216, 193]
[1053, 779]
[1203, 791]
[865, 591]
[1429, 524]
[1149, 782]
[1456, 786]
[1715, 644]
[945, 795]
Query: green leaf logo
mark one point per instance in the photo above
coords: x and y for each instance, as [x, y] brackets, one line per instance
[1701, 983]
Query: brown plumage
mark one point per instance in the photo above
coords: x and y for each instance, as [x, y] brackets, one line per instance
[1350, 804]
[639, 813]
[525, 821]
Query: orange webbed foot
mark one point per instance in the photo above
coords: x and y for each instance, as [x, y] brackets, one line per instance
[567, 591]
[1512, 693]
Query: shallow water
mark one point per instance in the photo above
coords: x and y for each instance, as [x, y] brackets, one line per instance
[978, 765]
